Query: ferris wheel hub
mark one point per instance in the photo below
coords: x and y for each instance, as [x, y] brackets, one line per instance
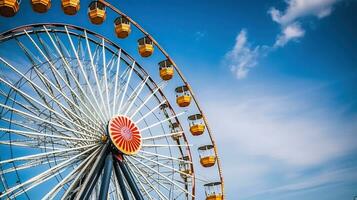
[125, 135]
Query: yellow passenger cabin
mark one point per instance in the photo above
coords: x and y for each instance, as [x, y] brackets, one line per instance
[9, 8]
[207, 155]
[41, 6]
[166, 70]
[185, 167]
[122, 27]
[213, 191]
[146, 46]
[197, 127]
[96, 12]
[176, 131]
[70, 7]
[183, 97]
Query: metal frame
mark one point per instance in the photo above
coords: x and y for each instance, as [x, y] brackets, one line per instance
[72, 116]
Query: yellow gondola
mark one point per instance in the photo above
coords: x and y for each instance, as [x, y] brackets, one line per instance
[213, 191]
[41, 6]
[122, 27]
[183, 98]
[9, 8]
[197, 126]
[96, 12]
[166, 70]
[185, 167]
[146, 46]
[70, 7]
[207, 156]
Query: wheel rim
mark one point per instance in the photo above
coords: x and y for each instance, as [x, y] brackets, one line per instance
[96, 112]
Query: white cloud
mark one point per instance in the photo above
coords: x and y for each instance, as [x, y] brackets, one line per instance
[289, 19]
[301, 8]
[242, 57]
[267, 133]
[290, 32]
[282, 129]
[331, 176]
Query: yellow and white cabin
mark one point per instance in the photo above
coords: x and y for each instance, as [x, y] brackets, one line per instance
[166, 70]
[197, 127]
[183, 97]
[207, 155]
[146, 46]
[213, 191]
[97, 12]
[122, 27]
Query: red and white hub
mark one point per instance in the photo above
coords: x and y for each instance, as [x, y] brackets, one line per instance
[125, 135]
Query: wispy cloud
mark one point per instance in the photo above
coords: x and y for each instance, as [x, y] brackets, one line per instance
[199, 35]
[290, 32]
[297, 9]
[243, 57]
[290, 19]
[281, 134]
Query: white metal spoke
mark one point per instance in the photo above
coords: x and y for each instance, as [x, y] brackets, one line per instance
[85, 77]
[26, 144]
[31, 164]
[78, 176]
[51, 194]
[151, 111]
[30, 81]
[36, 135]
[47, 121]
[162, 196]
[162, 121]
[131, 100]
[48, 108]
[40, 155]
[166, 166]
[163, 156]
[105, 78]
[126, 86]
[69, 69]
[94, 72]
[168, 179]
[141, 184]
[116, 81]
[166, 145]
[148, 98]
[162, 136]
[44, 174]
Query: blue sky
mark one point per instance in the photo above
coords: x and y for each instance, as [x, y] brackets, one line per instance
[277, 79]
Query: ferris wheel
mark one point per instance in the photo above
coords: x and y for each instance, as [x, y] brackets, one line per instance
[80, 118]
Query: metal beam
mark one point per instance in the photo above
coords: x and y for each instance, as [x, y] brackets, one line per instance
[93, 175]
[130, 179]
[108, 167]
[119, 176]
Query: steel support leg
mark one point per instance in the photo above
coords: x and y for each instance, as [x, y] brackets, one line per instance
[119, 176]
[103, 194]
[130, 179]
[93, 175]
